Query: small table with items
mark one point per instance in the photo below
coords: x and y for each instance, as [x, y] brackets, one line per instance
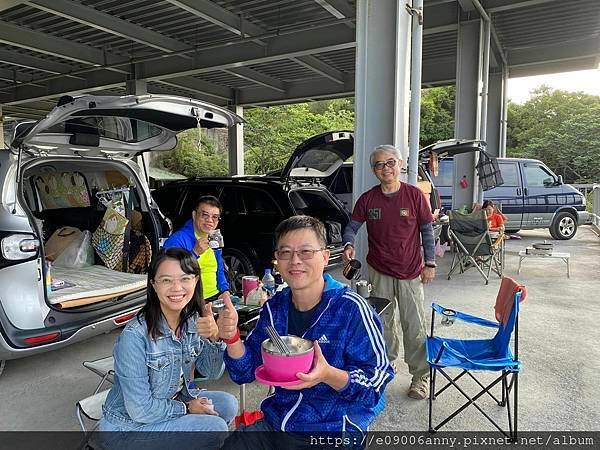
[560, 255]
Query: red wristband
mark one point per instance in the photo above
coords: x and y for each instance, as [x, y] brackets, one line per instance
[234, 338]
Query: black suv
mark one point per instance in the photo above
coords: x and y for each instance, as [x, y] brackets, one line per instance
[253, 206]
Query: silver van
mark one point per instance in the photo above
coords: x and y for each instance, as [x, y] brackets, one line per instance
[73, 171]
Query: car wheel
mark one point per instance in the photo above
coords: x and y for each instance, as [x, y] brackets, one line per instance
[238, 265]
[2, 365]
[564, 226]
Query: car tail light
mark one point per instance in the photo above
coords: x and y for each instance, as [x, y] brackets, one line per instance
[19, 246]
[41, 338]
[124, 318]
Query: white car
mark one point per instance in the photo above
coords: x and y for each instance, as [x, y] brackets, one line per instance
[60, 173]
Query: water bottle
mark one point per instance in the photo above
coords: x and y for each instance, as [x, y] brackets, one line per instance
[268, 281]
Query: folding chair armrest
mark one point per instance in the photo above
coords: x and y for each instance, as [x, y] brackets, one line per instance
[497, 363]
[466, 317]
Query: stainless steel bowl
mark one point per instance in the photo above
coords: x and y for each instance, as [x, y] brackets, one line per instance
[297, 346]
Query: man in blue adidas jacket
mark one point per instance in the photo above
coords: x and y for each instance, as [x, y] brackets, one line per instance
[351, 368]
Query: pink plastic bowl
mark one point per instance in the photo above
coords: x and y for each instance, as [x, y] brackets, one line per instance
[282, 367]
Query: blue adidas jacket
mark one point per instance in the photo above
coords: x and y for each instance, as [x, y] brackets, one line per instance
[350, 336]
[185, 238]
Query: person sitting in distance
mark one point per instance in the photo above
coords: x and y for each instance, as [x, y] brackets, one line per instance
[495, 219]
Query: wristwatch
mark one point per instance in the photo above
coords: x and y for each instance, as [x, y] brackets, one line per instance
[431, 264]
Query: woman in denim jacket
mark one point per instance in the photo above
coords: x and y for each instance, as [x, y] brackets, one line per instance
[154, 358]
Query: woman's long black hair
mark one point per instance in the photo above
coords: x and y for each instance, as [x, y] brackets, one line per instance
[151, 310]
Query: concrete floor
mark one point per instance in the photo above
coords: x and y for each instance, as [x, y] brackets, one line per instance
[558, 329]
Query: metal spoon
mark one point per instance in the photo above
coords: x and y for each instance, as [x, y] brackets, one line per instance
[277, 341]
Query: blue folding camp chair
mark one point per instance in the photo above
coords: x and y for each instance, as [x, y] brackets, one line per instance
[491, 355]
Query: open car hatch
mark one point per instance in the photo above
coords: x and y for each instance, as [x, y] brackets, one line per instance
[118, 126]
[319, 156]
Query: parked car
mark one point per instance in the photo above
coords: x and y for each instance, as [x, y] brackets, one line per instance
[253, 206]
[532, 196]
[56, 174]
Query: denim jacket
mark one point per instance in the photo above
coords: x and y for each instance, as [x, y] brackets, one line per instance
[148, 371]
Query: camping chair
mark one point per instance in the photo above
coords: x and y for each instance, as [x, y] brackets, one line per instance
[89, 409]
[492, 355]
[474, 246]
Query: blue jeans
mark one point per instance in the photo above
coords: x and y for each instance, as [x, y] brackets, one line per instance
[180, 431]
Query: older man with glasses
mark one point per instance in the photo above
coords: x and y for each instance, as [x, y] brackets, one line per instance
[399, 223]
[342, 391]
[194, 238]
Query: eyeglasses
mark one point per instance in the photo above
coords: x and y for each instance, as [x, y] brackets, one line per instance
[303, 254]
[185, 280]
[207, 216]
[381, 164]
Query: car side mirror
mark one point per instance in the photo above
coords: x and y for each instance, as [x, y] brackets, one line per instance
[560, 180]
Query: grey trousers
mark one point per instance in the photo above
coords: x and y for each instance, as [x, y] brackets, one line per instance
[406, 297]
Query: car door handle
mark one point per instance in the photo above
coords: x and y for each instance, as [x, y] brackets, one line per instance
[518, 191]
[525, 191]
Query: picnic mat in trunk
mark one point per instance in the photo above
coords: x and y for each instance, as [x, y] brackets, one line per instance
[92, 284]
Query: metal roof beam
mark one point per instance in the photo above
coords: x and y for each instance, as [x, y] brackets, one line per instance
[7, 4]
[340, 9]
[320, 67]
[286, 46]
[201, 86]
[563, 51]
[107, 23]
[466, 5]
[100, 79]
[296, 92]
[13, 76]
[217, 15]
[496, 6]
[301, 43]
[33, 62]
[51, 45]
[164, 88]
[256, 77]
[440, 29]
[544, 68]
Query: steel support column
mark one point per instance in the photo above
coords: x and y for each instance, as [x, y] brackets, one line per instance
[415, 90]
[136, 87]
[494, 115]
[236, 144]
[381, 88]
[467, 110]
[504, 117]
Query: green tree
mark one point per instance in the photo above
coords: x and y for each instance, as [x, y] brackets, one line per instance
[192, 160]
[271, 134]
[572, 149]
[560, 128]
[437, 115]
